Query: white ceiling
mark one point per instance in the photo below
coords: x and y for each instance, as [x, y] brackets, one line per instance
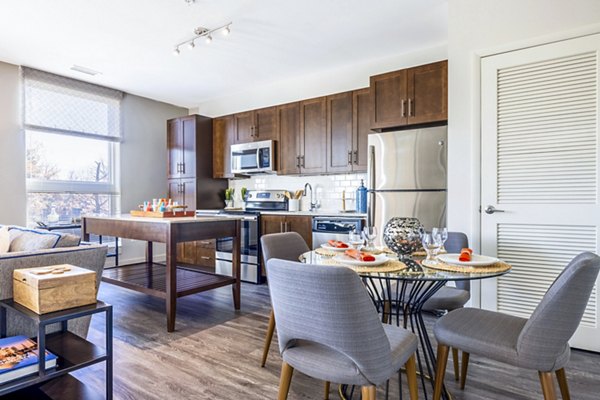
[131, 41]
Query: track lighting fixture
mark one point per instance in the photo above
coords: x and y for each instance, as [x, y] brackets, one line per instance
[201, 32]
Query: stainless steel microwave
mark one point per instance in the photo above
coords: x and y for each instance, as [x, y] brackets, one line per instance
[253, 158]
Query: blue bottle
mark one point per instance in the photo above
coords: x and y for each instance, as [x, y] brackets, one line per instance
[361, 198]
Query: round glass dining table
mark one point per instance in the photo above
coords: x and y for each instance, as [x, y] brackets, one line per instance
[399, 296]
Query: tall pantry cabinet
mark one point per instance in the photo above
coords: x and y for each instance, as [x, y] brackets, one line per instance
[190, 176]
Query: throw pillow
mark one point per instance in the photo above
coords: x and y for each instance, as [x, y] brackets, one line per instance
[4, 240]
[68, 240]
[31, 240]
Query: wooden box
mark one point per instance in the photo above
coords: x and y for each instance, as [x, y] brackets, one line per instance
[54, 288]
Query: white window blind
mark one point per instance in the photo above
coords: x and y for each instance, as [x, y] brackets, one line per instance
[58, 104]
[72, 131]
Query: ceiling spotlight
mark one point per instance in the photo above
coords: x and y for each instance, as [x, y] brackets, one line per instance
[201, 32]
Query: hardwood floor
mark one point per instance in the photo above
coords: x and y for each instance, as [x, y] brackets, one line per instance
[215, 353]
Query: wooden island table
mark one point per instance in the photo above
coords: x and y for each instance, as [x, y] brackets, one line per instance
[168, 281]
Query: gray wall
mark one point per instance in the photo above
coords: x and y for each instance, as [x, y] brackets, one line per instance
[143, 158]
[143, 154]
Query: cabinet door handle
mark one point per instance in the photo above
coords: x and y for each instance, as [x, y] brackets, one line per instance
[303, 162]
[183, 188]
[205, 257]
[281, 226]
[204, 242]
[183, 168]
[255, 131]
[349, 157]
[410, 107]
[356, 157]
[402, 111]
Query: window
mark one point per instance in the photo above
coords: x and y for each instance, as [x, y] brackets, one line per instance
[72, 131]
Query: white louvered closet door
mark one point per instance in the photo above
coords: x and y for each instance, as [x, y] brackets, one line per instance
[540, 164]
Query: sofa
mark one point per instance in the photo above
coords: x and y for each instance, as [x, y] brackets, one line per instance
[85, 255]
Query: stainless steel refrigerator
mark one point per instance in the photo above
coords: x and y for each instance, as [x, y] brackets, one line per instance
[407, 176]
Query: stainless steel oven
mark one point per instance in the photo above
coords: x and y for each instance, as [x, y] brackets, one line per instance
[251, 255]
[253, 158]
[249, 250]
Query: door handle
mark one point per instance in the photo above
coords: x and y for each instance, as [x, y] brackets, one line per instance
[409, 107]
[492, 209]
[402, 111]
[356, 157]
[349, 157]
[303, 162]
[183, 168]
[286, 226]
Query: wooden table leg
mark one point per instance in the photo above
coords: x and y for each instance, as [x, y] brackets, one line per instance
[149, 256]
[171, 273]
[235, 260]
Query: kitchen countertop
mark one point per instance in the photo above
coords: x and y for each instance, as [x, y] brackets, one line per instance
[319, 213]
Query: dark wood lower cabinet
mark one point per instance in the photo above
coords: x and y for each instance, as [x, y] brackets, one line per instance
[286, 223]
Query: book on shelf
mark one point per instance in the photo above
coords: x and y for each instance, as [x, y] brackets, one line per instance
[19, 358]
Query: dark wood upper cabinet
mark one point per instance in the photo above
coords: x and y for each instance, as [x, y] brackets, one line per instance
[339, 133]
[223, 132]
[361, 127]
[388, 99]
[313, 135]
[256, 125]
[190, 161]
[410, 96]
[174, 147]
[244, 127]
[428, 86]
[289, 137]
[181, 146]
[266, 124]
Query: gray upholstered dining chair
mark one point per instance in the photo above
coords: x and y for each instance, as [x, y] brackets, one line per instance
[329, 329]
[286, 246]
[539, 343]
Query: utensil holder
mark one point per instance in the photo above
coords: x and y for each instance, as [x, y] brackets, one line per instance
[294, 205]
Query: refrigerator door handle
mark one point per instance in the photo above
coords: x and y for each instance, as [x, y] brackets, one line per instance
[371, 186]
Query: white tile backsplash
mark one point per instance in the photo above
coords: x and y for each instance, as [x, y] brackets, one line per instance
[327, 188]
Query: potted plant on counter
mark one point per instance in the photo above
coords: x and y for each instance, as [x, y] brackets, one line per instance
[229, 192]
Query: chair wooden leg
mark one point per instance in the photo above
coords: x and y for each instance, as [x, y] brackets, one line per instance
[411, 375]
[368, 393]
[440, 371]
[268, 338]
[285, 380]
[547, 385]
[562, 384]
[455, 362]
[327, 387]
[463, 370]
[387, 312]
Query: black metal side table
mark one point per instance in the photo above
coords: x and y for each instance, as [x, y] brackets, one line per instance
[73, 353]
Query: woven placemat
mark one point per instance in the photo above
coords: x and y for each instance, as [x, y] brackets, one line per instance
[389, 266]
[499, 266]
[327, 253]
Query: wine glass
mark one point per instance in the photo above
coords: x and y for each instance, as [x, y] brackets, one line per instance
[432, 242]
[355, 239]
[443, 233]
[370, 234]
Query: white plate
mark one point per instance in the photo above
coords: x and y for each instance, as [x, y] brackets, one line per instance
[477, 260]
[328, 247]
[344, 259]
